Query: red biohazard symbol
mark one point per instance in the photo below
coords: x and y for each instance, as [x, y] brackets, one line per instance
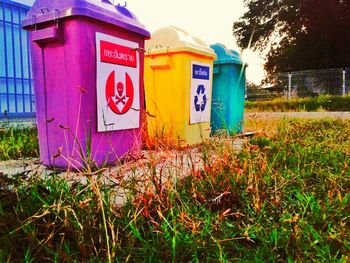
[119, 96]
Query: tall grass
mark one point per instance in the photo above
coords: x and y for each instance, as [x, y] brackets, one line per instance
[282, 198]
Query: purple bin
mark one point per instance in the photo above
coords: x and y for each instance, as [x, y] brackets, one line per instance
[88, 75]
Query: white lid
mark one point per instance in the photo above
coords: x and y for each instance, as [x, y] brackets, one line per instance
[172, 39]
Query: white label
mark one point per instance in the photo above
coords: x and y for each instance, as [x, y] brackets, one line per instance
[200, 97]
[118, 84]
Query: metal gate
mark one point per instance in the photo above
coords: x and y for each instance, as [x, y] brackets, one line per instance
[16, 85]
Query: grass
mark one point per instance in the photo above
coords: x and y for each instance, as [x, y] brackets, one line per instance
[321, 103]
[18, 142]
[284, 197]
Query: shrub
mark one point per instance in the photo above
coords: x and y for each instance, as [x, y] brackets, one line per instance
[327, 103]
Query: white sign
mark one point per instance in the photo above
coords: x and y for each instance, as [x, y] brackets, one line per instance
[118, 88]
[200, 98]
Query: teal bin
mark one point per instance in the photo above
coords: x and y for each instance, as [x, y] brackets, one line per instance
[229, 82]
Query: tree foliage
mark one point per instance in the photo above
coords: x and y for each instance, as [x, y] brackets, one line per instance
[297, 34]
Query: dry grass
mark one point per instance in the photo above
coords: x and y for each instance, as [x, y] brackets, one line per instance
[264, 126]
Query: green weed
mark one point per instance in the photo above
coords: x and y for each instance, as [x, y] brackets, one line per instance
[18, 143]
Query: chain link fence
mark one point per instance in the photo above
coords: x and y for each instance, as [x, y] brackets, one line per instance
[299, 84]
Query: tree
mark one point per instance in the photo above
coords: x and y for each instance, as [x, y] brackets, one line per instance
[297, 34]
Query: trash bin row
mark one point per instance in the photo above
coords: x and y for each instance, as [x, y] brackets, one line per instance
[93, 82]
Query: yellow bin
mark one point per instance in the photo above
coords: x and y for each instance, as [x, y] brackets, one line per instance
[178, 86]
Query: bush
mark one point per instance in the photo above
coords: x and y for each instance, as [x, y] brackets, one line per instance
[327, 103]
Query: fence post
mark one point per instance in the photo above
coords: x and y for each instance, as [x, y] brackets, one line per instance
[289, 85]
[344, 82]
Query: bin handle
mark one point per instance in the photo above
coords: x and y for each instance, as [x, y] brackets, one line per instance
[162, 62]
[52, 33]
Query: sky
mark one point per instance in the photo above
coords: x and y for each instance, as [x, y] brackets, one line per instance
[209, 20]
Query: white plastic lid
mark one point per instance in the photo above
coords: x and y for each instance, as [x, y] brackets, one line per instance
[174, 39]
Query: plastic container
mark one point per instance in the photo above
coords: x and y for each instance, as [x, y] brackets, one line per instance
[88, 78]
[178, 81]
[229, 82]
